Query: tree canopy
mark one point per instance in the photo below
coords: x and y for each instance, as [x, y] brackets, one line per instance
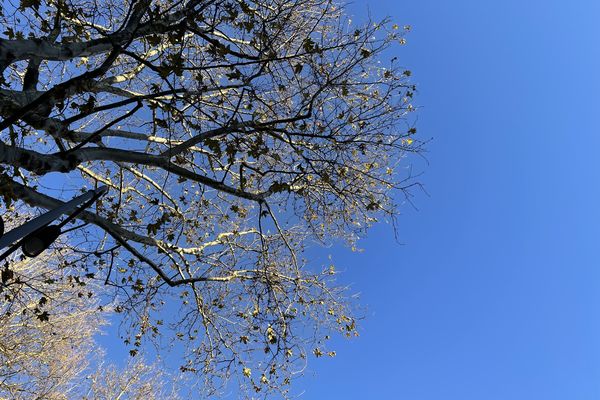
[232, 134]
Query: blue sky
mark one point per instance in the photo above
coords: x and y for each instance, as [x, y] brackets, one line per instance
[495, 293]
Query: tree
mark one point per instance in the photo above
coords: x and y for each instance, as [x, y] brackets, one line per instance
[231, 134]
[49, 315]
[39, 357]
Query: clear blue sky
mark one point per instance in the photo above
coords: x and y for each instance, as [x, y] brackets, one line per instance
[496, 292]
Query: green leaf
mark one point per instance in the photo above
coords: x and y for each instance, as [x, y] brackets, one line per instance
[271, 335]
[309, 45]
[344, 90]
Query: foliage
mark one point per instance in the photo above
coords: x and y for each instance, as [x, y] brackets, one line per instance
[231, 134]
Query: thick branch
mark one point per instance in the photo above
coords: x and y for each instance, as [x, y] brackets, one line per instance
[14, 50]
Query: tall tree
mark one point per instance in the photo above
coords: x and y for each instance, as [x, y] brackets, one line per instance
[231, 133]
